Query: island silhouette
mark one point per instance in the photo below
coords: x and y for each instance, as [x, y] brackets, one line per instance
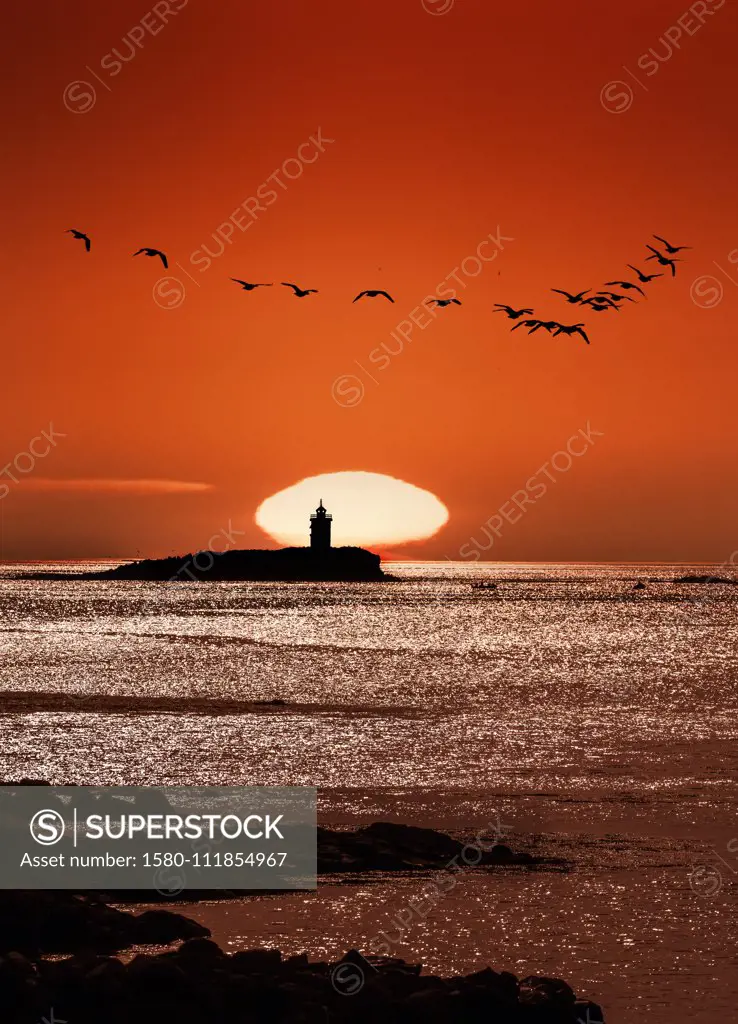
[319, 562]
[286, 564]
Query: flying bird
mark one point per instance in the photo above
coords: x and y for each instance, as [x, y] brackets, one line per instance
[626, 285]
[602, 299]
[80, 234]
[664, 261]
[644, 278]
[535, 325]
[247, 286]
[572, 329]
[531, 324]
[672, 249]
[300, 293]
[600, 306]
[153, 252]
[615, 297]
[372, 293]
[571, 298]
[443, 302]
[513, 314]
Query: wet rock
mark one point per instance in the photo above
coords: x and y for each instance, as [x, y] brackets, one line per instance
[501, 854]
[588, 1012]
[258, 961]
[299, 962]
[389, 846]
[161, 927]
[540, 991]
[156, 974]
[107, 976]
[38, 922]
[503, 983]
[18, 976]
[432, 1006]
[200, 983]
[201, 949]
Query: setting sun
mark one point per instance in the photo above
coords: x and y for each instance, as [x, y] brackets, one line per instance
[367, 508]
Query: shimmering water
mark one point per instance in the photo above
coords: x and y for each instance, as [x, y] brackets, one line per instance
[597, 722]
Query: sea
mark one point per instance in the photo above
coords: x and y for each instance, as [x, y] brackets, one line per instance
[587, 722]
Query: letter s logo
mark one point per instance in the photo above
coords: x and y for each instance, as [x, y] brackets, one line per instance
[47, 827]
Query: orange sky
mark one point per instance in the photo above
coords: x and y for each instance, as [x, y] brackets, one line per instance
[446, 128]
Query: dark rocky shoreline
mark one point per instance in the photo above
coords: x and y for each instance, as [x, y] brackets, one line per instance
[200, 984]
[197, 983]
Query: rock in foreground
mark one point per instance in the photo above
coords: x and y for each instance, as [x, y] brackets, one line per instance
[40, 922]
[199, 984]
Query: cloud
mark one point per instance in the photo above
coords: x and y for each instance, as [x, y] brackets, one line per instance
[101, 485]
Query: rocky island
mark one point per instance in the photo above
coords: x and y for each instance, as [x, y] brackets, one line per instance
[286, 564]
[320, 562]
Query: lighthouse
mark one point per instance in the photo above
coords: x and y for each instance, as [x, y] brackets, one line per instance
[320, 529]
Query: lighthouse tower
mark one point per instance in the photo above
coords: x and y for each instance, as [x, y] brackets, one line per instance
[320, 529]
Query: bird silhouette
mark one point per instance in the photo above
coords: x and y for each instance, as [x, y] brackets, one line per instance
[153, 252]
[443, 302]
[300, 293]
[536, 325]
[248, 286]
[601, 299]
[600, 307]
[672, 249]
[626, 285]
[664, 261]
[80, 234]
[644, 278]
[571, 329]
[372, 293]
[571, 298]
[513, 314]
[616, 297]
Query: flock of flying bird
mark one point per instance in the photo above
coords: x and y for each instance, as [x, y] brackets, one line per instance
[599, 301]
